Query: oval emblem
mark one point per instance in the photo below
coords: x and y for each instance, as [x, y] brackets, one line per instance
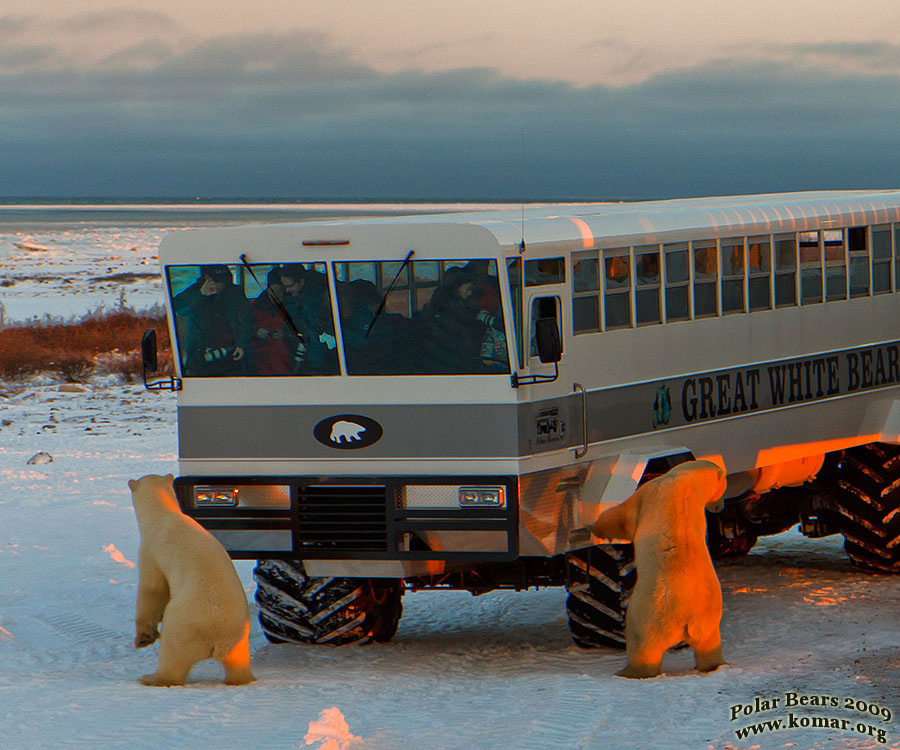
[348, 432]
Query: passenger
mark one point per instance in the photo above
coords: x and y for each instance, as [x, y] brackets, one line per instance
[359, 301]
[452, 342]
[292, 280]
[322, 358]
[217, 324]
[308, 306]
[269, 343]
[375, 340]
[494, 355]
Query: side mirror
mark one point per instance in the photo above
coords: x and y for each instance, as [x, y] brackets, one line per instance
[151, 364]
[148, 351]
[549, 345]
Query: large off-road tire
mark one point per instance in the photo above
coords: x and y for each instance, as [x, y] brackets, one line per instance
[601, 579]
[295, 608]
[868, 502]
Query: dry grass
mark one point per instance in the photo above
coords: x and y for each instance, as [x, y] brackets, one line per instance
[99, 342]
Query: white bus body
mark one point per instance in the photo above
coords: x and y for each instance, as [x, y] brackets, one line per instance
[756, 331]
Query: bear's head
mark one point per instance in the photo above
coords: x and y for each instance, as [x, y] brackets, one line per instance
[703, 480]
[152, 494]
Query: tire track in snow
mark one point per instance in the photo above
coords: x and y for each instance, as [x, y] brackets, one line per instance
[55, 642]
[80, 630]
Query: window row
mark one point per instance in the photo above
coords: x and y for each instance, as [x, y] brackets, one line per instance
[648, 284]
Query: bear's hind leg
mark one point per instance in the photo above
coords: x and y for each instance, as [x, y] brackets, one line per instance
[237, 662]
[708, 650]
[176, 658]
[644, 658]
[710, 659]
[640, 671]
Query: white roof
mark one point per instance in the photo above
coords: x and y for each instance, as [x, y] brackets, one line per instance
[609, 224]
[554, 228]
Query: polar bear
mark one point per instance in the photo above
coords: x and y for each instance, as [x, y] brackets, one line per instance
[188, 588]
[677, 597]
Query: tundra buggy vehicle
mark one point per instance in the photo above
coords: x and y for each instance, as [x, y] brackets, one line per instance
[380, 405]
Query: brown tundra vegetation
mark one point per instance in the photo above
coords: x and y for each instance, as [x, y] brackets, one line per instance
[99, 342]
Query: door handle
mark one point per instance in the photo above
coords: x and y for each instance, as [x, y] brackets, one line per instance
[579, 452]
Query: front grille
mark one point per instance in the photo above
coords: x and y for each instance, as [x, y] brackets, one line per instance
[333, 517]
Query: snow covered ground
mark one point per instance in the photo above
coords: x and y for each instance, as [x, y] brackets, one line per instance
[496, 671]
[463, 672]
[77, 270]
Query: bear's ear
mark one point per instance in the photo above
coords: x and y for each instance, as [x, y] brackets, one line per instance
[716, 501]
[132, 483]
[170, 478]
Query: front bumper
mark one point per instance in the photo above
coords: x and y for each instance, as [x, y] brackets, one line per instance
[354, 518]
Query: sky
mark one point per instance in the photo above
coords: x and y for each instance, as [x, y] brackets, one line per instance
[419, 99]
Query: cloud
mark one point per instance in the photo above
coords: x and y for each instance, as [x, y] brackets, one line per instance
[115, 20]
[422, 54]
[77, 42]
[292, 114]
[827, 57]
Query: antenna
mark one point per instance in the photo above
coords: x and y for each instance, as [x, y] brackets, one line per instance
[522, 142]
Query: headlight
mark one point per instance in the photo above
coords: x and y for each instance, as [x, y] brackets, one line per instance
[219, 496]
[493, 497]
[244, 496]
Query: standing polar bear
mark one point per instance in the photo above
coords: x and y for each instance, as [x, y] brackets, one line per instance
[677, 597]
[187, 585]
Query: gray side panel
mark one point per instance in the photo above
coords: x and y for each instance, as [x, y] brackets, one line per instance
[285, 432]
[701, 398]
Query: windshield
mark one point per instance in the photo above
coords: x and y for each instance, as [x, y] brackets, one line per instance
[243, 320]
[440, 317]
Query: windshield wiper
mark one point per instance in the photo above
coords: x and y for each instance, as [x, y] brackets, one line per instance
[279, 305]
[387, 293]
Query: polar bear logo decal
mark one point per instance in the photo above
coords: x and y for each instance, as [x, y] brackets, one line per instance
[343, 431]
[348, 431]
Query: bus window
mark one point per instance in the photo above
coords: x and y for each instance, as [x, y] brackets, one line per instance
[617, 288]
[731, 252]
[897, 257]
[785, 270]
[858, 250]
[705, 274]
[647, 278]
[438, 318]
[759, 261]
[881, 259]
[545, 271]
[585, 292]
[836, 265]
[810, 268]
[677, 281]
[544, 307]
[514, 272]
[241, 321]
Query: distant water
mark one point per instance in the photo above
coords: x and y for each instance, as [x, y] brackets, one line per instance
[21, 215]
[62, 258]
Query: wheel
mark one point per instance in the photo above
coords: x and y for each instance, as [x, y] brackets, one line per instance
[868, 499]
[295, 608]
[601, 578]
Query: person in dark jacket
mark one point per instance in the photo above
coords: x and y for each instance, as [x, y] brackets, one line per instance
[217, 325]
[454, 332]
[308, 304]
